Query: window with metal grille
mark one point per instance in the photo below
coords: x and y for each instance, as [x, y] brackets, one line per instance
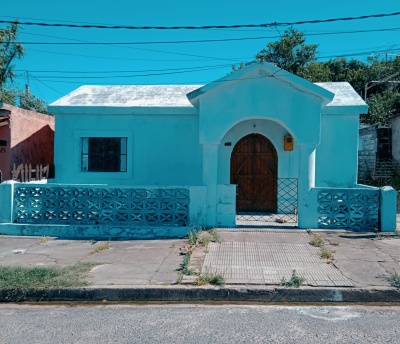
[104, 154]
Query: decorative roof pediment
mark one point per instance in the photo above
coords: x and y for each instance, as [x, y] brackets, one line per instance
[259, 70]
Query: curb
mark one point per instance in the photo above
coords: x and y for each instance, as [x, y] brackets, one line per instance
[204, 294]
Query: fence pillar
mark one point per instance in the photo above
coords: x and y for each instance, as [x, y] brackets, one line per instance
[6, 202]
[306, 218]
[210, 172]
[388, 209]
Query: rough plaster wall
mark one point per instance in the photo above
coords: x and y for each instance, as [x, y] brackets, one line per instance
[5, 152]
[367, 152]
[395, 124]
[32, 137]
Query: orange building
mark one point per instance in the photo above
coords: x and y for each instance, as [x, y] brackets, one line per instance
[26, 137]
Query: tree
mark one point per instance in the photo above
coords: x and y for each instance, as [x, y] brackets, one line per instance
[32, 102]
[9, 51]
[382, 106]
[290, 52]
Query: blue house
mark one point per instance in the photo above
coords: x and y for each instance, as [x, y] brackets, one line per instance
[257, 144]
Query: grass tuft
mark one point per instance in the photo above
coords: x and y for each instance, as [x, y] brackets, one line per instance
[394, 279]
[48, 277]
[43, 240]
[209, 278]
[216, 236]
[205, 239]
[102, 247]
[316, 241]
[326, 254]
[294, 281]
[193, 236]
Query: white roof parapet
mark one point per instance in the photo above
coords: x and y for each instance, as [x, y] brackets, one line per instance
[346, 100]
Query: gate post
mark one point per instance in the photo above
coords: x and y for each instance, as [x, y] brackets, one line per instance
[210, 174]
[6, 202]
[388, 209]
[306, 215]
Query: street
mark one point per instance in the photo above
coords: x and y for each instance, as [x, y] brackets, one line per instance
[21, 323]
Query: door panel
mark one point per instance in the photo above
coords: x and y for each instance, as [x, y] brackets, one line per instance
[254, 169]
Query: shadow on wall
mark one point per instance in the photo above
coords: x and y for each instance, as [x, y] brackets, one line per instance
[36, 149]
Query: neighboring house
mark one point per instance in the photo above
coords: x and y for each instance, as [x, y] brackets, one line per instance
[376, 163]
[395, 135]
[259, 141]
[26, 137]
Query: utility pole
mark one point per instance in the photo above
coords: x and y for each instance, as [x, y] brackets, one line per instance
[27, 87]
[370, 84]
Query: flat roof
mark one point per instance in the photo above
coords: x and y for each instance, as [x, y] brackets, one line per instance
[129, 96]
[165, 96]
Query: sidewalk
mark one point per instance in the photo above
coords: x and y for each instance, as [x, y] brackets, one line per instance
[253, 263]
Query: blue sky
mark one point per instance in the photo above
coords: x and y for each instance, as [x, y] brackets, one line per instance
[55, 70]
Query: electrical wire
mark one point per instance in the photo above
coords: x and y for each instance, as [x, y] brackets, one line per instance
[205, 40]
[205, 27]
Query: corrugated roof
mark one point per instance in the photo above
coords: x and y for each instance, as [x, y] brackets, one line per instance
[129, 96]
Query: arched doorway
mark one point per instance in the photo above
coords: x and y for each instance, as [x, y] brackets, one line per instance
[254, 168]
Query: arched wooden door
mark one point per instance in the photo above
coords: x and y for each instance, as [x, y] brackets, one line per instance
[254, 168]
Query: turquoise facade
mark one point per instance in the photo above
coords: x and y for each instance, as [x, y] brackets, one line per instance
[184, 136]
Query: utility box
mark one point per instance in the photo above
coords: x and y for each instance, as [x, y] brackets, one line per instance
[288, 143]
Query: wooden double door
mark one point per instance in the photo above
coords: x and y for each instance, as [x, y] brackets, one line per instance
[254, 168]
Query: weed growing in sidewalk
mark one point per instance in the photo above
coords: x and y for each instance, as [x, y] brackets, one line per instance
[43, 240]
[102, 247]
[326, 254]
[294, 281]
[193, 236]
[216, 236]
[394, 279]
[205, 239]
[316, 241]
[210, 278]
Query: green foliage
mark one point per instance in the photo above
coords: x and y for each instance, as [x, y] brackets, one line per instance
[326, 254]
[7, 96]
[216, 236]
[32, 102]
[316, 241]
[44, 277]
[9, 51]
[29, 102]
[382, 106]
[290, 53]
[193, 236]
[205, 239]
[294, 281]
[394, 279]
[210, 278]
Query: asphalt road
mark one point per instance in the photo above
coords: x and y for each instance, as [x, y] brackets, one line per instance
[198, 324]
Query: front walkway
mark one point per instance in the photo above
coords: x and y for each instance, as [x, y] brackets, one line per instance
[244, 262]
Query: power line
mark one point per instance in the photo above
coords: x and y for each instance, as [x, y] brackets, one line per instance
[127, 58]
[206, 40]
[180, 71]
[123, 71]
[205, 27]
